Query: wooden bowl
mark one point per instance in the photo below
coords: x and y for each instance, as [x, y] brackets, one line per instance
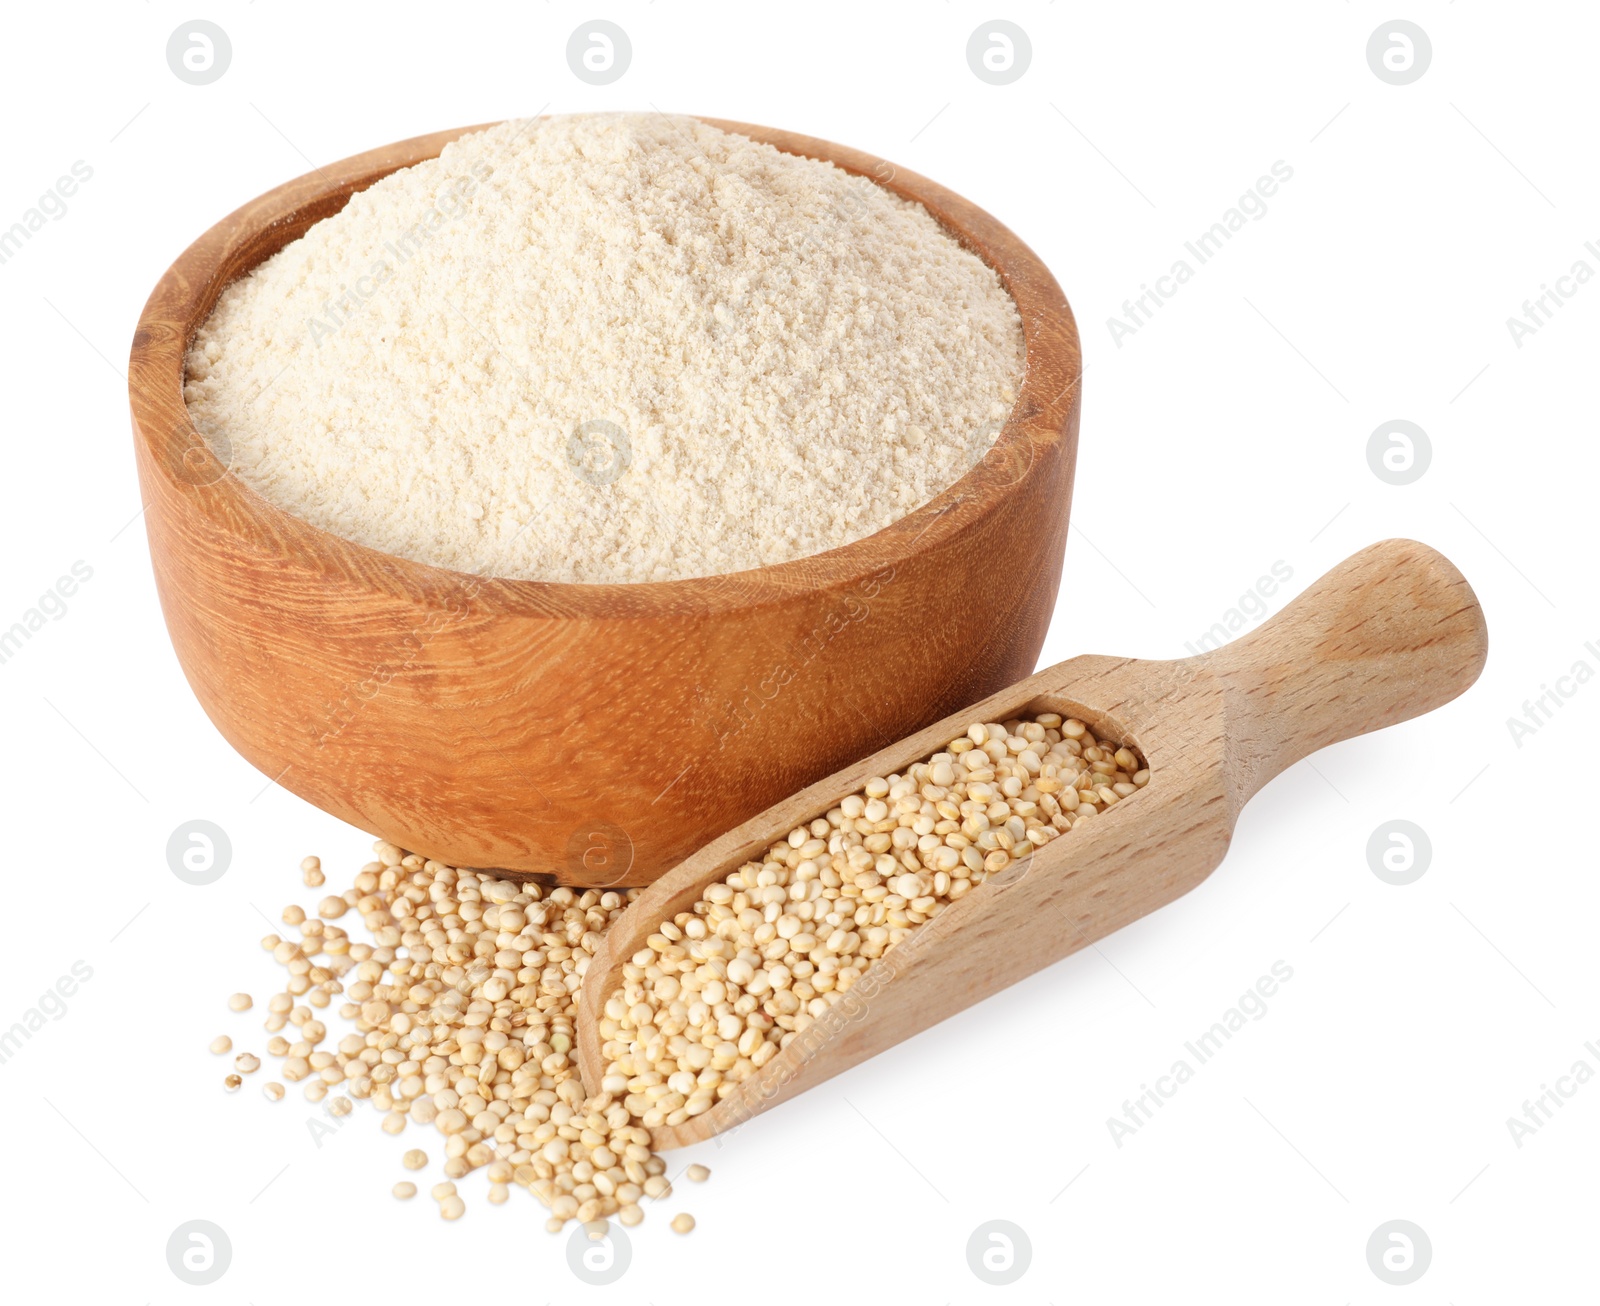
[590, 734]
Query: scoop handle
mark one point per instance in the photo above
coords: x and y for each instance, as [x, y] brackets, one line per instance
[1390, 633]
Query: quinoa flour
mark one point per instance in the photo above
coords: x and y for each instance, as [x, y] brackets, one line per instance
[609, 348]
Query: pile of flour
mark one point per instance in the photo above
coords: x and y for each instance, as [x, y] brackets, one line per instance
[609, 347]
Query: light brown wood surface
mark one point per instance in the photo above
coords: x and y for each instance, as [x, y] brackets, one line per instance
[593, 734]
[1390, 633]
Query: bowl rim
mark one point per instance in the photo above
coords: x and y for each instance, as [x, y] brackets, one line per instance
[173, 450]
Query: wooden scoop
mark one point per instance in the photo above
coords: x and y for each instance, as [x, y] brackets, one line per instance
[1388, 634]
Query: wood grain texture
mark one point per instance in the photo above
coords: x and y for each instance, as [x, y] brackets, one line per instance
[478, 720]
[1388, 634]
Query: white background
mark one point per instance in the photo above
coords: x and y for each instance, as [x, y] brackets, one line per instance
[1227, 435]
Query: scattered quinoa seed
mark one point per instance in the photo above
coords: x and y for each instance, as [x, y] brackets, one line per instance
[272, 1091]
[404, 1190]
[239, 1002]
[231, 1083]
[460, 1011]
[682, 1222]
[222, 1043]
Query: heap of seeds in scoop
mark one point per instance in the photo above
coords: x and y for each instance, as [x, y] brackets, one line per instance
[464, 1004]
[720, 988]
